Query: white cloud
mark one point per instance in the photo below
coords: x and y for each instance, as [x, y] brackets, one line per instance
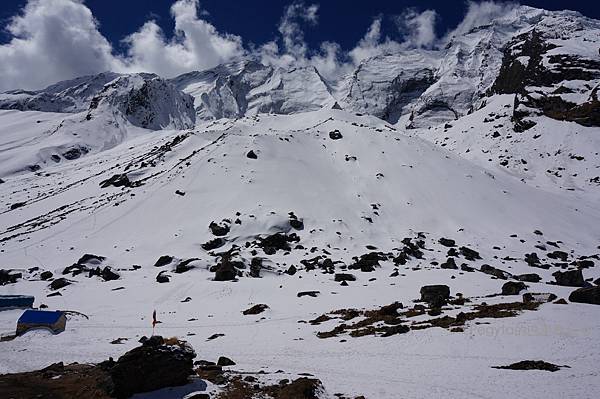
[52, 40]
[479, 14]
[372, 44]
[291, 29]
[196, 44]
[418, 28]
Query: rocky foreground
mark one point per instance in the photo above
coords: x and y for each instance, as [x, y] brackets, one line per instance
[157, 364]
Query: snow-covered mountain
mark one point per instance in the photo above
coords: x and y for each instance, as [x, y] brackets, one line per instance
[290, 222]
[249, 88]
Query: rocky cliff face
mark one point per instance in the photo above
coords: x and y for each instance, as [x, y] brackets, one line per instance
[554, 70]
[146, 101]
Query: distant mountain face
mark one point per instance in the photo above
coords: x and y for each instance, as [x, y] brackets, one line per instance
[548, 60]
[249, 88]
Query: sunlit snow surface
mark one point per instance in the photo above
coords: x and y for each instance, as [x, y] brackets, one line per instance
[416, 185]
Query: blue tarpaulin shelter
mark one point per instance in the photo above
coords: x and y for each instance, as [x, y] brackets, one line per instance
[54, 321]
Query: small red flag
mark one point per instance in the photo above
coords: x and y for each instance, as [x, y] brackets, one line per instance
[154, 319]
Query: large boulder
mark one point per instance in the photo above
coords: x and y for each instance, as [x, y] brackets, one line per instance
[157, 364]
[570, 278]
[435, 294]
[586, 295]
[513, 288]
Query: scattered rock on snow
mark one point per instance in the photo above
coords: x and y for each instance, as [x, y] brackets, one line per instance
[256, 309]
[164, 260]
[569, 278]
[435, 293]
[531, 365]
[447, 242]
[589, 295]
[513, 288]
[313, 294]
[163, 277]
[59, 283]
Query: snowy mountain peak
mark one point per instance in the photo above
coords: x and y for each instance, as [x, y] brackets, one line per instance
[147, 101]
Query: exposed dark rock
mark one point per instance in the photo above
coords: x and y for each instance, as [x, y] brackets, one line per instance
[563, 256]
[501, 274]
[570, 278]
[164, 260]
[465, 268]
[59, 283]
[278, 241]
[225, 361]
[154, 365]
[219, 230]
[529, 278]
[17, 205]
[447, 242]
[291, 270]
[163, 277]
[121, 180]
[213, 244]
[335, 135]
[255, 267]
[313, 294]
[584, 263]
[256, 309]
[107, 274]
[296, 223]
[367, 262]
[532, 259]
[530, 297]
[513, 288]
[91, 259]
[589, 295]
[226, 268]
[449, 264]
[46, 275]
[469, 253]
[435, 293]
[531, 365]
[344, 277]
[185, 266]
[302, 388]
[251, 154]
[75, 152]
[9, 276]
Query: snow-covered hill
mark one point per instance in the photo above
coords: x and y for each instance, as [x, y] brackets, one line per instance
[474, 167]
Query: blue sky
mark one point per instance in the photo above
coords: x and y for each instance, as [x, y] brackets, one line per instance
[43, 41]
[342, 21]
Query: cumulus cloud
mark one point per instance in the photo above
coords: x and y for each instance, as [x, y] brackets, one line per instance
[294, 49]
[372, 44]
[196, 44]
[418, 28]
[480, 14]
[52, 40]
[291, 29]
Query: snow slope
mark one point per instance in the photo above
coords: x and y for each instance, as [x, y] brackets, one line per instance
[281, 182]
[373, 186]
